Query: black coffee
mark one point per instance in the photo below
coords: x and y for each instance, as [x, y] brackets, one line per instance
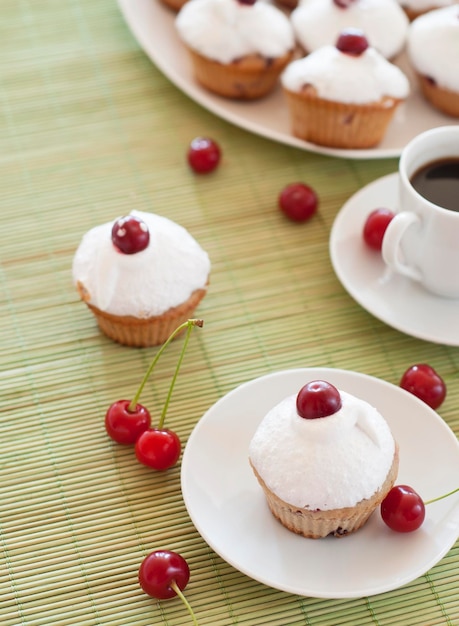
[438, 182]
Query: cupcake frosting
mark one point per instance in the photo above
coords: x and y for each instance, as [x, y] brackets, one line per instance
[226, 30]
[345, 78]
[325, 463]
[146, 283]
[318, 22]
[433, 46]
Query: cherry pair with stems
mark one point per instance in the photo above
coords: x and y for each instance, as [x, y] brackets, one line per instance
[163, 573]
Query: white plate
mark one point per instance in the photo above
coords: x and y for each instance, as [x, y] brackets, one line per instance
[152, 25]
[228, 507]
[392, 298]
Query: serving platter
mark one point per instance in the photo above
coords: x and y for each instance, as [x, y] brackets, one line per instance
[152, 24]
[228, 507]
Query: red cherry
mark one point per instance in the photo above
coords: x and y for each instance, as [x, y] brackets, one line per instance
[298, 202]
[343, 4]
[203, 155]
[403, 509]
[130, 234]
[375, 227]
[160, 571]
[423, 381]
[352, 41]
[124, 425]
[318, 399]
[158, 448]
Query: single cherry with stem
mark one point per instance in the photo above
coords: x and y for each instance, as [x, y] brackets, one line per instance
[403, 509]
[164, 574]
[126, 420]
[160, 447]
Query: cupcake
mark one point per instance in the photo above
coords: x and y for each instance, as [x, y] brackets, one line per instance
[415, 8]
[319, 22]
[343, 96]
[433, 49]
[324, 459]
[141, 276]
[237, 48]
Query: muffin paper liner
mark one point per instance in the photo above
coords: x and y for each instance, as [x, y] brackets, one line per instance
[248, 78]
[337, 124]
[151, 331]
[315, 524]
[442, 99]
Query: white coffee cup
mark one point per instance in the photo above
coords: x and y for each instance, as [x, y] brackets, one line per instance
[422, 240]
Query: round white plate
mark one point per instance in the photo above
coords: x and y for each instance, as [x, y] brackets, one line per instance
[152, 25]
[392, 298]
[228, 507]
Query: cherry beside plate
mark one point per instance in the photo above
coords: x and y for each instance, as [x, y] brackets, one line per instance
[229, 510]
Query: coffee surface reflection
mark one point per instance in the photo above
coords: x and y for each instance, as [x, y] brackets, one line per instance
[438, 182]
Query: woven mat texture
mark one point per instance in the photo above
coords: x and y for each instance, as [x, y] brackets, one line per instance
[90, 129]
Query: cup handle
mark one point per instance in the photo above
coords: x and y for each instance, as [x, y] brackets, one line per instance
[391, 244]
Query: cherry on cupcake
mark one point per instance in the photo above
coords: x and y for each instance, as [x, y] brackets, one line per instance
[318, 398]
[344, 4]
[127, 420]
[298, 202]
[164, 574]
[130, 234]
[352, 41]
[203, 155]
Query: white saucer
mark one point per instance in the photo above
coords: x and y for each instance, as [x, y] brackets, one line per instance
[228, 507]
[394, 299]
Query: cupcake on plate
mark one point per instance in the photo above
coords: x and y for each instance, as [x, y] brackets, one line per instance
[238, 48]
[343, 96]
[318, 23]
[433, 49]
[141, 276]
[415, 8]
[324, 459]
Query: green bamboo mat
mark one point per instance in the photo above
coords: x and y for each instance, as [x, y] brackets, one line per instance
[90, 130]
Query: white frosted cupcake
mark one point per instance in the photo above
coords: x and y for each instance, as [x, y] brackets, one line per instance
[433, 49]
[318, 23]
[142, 276]
[323, 475]
[343, 96]
[238, 49]
[415, 8]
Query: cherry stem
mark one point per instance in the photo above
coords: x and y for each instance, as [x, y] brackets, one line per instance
[189, 323]
[450, 493]
[180, 594]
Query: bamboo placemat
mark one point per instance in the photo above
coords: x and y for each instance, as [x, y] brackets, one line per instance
[90, 130]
